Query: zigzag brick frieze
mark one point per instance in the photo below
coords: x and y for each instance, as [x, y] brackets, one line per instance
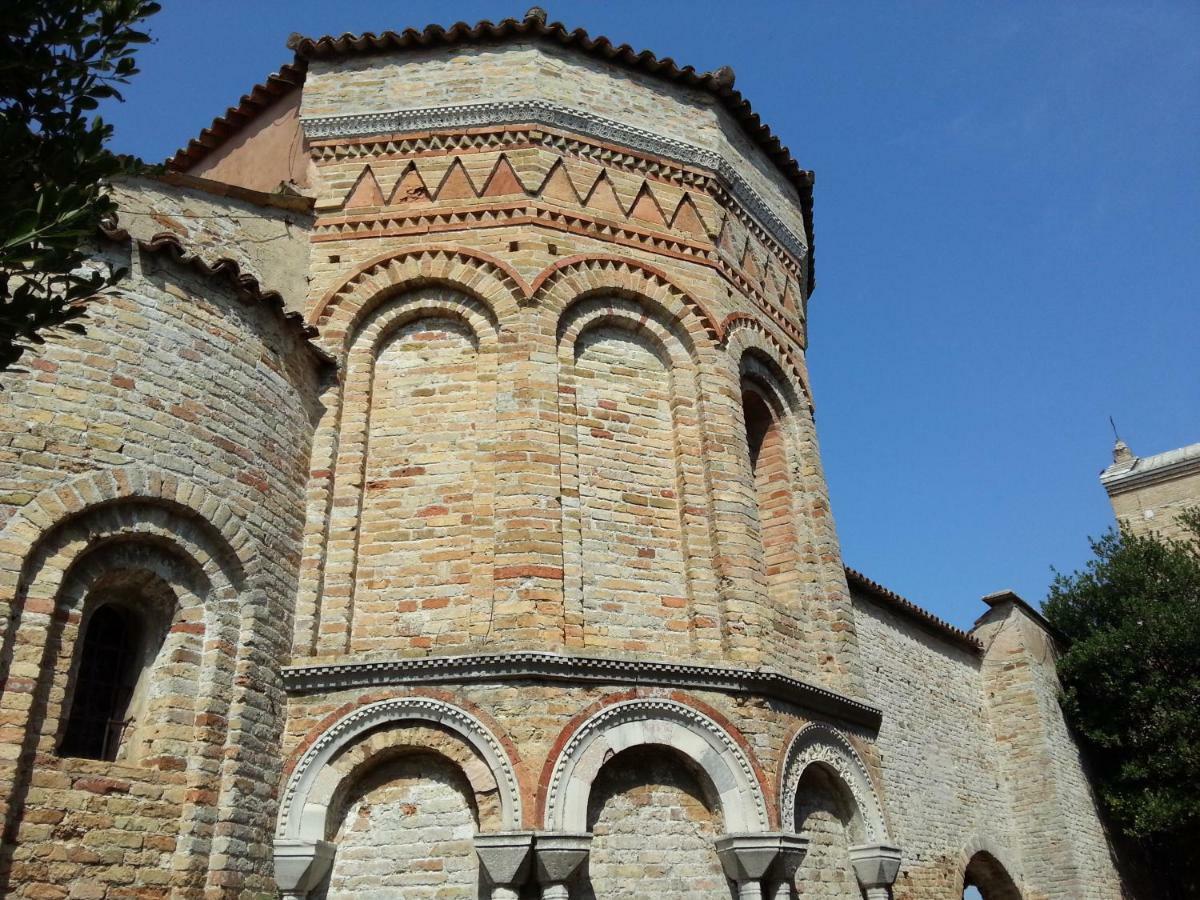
[432, 144]
[675, 228]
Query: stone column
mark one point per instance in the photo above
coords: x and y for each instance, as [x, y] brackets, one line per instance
[792, 849]
[746, 859]
[301, 865]
[557, 856]
[876, 866]
[505, 857]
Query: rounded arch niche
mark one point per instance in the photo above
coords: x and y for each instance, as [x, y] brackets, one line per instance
[314, 785]
[824, 746]
[664, 723]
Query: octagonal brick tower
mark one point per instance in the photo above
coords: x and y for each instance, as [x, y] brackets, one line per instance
[574, 415]
[572, 448]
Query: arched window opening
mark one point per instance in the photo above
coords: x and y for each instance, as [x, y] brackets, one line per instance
[110, 701]
[759, 422]
[107, 678]
[772, 488]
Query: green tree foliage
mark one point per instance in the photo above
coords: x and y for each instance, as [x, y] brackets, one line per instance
[1131, 686]
[58, 60]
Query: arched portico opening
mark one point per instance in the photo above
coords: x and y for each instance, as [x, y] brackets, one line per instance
[654, 818]
[664, 723]
[660, 765]
[405, 784]
[828, 798]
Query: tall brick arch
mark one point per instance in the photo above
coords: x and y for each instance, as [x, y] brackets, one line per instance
[587, 452]
[742, 332]
[314, 780]
[341, 446]
[579, 277]
[56, 504]
[491, 281]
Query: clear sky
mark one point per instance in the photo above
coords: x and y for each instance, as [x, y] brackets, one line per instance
[1007, 222]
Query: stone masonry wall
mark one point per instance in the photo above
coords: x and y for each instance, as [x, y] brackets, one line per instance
[943, 784]
[1040, 763]
[158, 460]
[539, 231]
[407, 832]
[632, 554]
[1156, 507]
[266, 241]
[653, 831]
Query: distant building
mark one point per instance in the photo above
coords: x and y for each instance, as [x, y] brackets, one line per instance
[1148, 493]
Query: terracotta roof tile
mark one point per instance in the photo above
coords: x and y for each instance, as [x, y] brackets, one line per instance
[718, 82]
[906, 607]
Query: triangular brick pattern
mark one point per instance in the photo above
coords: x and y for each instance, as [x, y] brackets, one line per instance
[454, 182]
[366, 191]
[410, 188]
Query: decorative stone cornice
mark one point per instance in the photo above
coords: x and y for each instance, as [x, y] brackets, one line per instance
[1138, 472]
[494, 667]
[554, 115]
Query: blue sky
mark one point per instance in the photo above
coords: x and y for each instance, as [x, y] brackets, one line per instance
[1007, 220]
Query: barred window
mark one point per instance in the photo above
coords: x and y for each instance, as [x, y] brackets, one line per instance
[109, 665]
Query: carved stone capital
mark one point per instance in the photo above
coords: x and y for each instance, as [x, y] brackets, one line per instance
[557, 855]
[301, 865]
[875, 865]
[747, 857]
[505, 856]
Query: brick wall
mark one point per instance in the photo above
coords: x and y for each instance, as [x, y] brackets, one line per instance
[406, 831]
[158, 461]
[653, 828]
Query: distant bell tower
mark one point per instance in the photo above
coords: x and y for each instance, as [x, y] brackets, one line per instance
[1148, 493]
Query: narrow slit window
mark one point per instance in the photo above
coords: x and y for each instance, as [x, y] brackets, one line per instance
[109, 666]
